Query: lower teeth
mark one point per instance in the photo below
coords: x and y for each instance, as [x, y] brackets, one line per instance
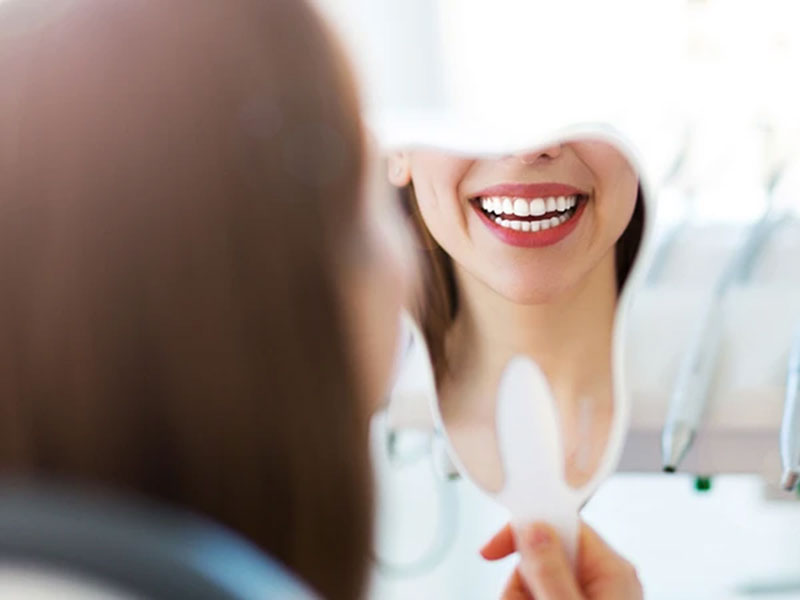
[532, 226]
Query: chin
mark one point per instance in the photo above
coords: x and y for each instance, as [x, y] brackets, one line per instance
[527, 290]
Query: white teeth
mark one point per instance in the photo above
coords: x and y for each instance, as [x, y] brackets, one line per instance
[538, 207]
[521, 207]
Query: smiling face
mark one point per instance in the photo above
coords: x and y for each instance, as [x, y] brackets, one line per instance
[532, 226]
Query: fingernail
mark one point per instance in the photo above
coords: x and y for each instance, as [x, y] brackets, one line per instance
[538, 537]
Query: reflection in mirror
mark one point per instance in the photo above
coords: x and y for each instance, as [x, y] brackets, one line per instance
[527, 254]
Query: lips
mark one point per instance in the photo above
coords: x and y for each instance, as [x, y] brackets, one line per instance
[531, 215]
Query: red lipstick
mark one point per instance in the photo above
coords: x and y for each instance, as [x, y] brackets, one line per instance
[529, 191]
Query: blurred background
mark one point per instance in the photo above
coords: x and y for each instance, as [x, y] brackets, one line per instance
[707, 90]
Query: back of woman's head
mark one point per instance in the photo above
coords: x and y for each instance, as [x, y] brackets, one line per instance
[179, 186]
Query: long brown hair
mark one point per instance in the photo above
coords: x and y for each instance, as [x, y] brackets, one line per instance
[437, 303]
[179, 185]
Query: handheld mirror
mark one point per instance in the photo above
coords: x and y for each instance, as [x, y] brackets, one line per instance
[528, 258]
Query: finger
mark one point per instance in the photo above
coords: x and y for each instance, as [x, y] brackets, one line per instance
[602, 568]
[544, 565]
[592, 545]
[501, 545]
[596, 557]
[516, 588]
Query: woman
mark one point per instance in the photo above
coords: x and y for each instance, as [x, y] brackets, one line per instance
[525, 255]
[196, 302]
[198, 291]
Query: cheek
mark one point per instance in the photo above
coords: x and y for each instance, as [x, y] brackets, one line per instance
[617, 215]
[436, 178]
[616, 200]
[444, 217]
[434, 213]
[617, 185]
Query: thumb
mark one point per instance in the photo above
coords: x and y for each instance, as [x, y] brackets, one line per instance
[544, 564]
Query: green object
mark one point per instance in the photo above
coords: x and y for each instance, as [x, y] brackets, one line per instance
[702, 484]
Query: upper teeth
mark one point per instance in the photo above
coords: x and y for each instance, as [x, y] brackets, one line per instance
[523, 207]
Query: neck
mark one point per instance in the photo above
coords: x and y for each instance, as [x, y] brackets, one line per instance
[569, 336]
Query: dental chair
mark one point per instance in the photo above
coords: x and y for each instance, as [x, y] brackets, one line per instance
[57, 542]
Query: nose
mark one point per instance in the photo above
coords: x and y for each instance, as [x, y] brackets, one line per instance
[529, 158]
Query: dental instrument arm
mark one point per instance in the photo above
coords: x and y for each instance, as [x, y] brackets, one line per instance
[790, 426]
[692, 387]
[696, 373]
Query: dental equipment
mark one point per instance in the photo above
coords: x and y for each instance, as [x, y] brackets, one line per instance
[691, 389]
[695, 377]
[790, 426]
